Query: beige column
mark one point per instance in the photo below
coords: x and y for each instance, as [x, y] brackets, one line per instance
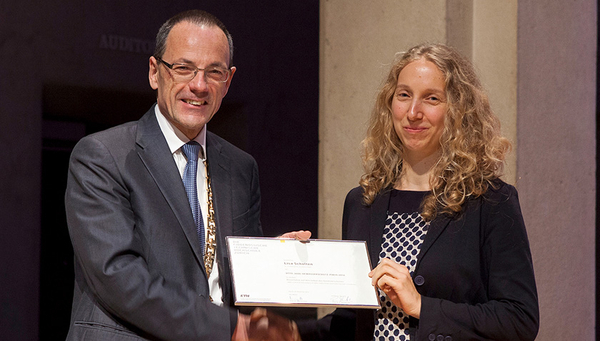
[557, 159]
[495, 57]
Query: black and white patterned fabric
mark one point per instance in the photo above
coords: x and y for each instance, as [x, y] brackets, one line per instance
[403, 236]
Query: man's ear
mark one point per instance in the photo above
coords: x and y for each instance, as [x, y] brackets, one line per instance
[153, 72]
[233, 68]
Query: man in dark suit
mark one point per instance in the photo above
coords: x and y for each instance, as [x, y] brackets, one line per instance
[147, 266]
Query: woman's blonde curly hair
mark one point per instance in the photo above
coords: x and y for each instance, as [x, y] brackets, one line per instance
[472, 149]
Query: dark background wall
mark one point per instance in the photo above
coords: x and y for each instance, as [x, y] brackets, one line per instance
[69, 68]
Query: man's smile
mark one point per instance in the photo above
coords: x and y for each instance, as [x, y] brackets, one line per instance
[195, 102]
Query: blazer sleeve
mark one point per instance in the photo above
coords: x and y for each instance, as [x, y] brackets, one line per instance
[113, 260]
[510, 311]
[344, 324]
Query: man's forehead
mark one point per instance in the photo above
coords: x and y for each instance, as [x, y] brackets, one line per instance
[188, 29]
[197, 37]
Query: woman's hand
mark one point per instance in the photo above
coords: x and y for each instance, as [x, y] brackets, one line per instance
[395, 281]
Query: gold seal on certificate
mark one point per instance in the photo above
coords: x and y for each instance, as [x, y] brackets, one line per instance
[313, 273]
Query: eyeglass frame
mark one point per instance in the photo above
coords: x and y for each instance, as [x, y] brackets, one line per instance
[170, 67]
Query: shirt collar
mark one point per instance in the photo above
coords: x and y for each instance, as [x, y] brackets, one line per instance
[175, 138]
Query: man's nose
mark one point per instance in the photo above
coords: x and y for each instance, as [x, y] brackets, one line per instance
[198, 83]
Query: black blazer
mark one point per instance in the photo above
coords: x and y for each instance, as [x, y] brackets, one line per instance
[474, 273]
[139, 272]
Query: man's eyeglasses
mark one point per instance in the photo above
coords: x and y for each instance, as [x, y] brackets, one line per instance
[187, 72]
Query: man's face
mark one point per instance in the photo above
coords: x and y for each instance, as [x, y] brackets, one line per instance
[189, 105]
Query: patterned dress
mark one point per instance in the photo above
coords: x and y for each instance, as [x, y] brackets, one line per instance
[403, 236]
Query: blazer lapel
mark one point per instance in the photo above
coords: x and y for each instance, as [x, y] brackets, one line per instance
[378, 217]
[436, 227]
[154, 152]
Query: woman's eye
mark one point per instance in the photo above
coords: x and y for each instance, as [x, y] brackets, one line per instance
[434, 99]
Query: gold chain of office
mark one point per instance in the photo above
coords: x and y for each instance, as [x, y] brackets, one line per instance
[211, 238]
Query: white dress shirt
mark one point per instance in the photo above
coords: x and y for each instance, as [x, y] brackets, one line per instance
[176, 139]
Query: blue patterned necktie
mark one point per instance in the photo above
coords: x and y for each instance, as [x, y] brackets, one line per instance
[191, 150]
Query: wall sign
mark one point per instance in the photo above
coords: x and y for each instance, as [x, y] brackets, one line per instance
[126, 44]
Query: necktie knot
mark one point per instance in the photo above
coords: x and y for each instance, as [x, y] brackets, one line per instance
[191, 150]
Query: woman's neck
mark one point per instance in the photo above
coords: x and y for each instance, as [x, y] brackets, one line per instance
[417, 173]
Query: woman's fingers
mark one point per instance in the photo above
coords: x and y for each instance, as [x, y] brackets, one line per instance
[395, 281]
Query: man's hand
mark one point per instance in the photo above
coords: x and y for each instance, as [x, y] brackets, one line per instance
[268, 326]
[299, 235]
[263, 325]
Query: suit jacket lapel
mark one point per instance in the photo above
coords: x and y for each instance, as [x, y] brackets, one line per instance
[218, 169]
[154, 152]
[219, 165]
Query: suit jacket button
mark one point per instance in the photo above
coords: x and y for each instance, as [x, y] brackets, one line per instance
[419, 280]
[448, 338]
[440, 337]
[431, 337]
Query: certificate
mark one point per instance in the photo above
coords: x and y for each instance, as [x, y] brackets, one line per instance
[313, 273]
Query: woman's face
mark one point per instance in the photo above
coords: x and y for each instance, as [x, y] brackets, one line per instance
[419, 108]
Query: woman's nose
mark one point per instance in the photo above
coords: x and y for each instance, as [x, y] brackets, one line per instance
[414, 112]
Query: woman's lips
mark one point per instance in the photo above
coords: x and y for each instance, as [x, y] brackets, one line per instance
[415, 129]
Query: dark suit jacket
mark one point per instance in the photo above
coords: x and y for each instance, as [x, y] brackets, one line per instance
[474, 273]
[138, 268]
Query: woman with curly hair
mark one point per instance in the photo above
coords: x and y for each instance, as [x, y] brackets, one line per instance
[453, 256]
